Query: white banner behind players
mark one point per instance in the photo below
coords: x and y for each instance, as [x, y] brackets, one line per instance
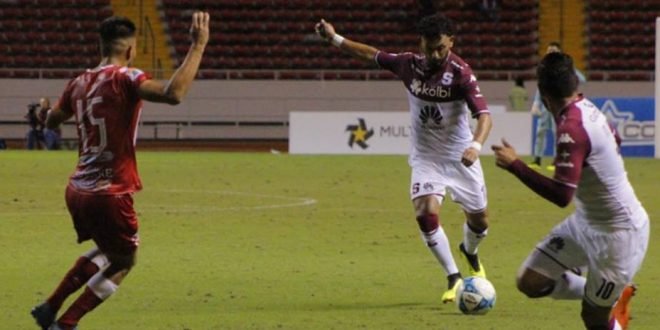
[385, 133]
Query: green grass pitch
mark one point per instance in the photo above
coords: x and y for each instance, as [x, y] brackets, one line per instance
[263, 241]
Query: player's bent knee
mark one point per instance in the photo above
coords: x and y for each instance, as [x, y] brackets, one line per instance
[428, 222]
[534, 285]
[478, 222]
[121, 262]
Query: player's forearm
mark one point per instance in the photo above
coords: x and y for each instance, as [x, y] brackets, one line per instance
[554, 191]
[56, 117]
[358, 50]
[484, 125]
[179, 84]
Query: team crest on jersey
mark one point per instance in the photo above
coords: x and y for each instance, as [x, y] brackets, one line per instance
[430, 117]
[565, 138]
[133, 73]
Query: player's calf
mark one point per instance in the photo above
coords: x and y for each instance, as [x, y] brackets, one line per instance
[533, 284]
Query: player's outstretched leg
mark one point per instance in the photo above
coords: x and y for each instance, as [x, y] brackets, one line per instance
[621, 310]
[84, 268]
[454, 281]
[44, 315]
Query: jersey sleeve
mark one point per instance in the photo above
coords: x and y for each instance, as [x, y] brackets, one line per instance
[473, 97]
[132, 78]
[392, 62]
[573, 147]
[136, 77]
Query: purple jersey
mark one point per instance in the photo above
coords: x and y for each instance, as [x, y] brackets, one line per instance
[439, 104]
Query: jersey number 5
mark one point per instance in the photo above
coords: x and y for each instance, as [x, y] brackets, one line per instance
[85, 117]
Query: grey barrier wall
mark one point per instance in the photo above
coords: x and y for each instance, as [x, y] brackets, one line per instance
[259, 109]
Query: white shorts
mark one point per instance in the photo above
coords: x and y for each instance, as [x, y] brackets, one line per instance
[466, 184]
[612, 257]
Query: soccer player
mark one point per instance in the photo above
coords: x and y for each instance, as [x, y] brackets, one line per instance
[544, 123]
[107, 102]
[609, 231]
[442, 92]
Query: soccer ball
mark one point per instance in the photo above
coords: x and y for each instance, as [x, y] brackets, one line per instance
[475, 296]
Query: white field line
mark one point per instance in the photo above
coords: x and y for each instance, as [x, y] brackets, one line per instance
[188, 208]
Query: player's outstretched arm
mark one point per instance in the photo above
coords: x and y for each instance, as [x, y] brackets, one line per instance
[177, 87]
[56, 116]
[358, 50]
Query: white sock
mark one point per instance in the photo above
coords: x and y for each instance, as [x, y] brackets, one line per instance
[614, 325]
[471, 239]
[101, 286]
[439, 245]
[569, 286]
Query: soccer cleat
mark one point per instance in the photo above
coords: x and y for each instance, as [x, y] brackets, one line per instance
[43, 315]
[474, 265]
[550, 168]
[450, 295]
[621, 310]
[56, 326]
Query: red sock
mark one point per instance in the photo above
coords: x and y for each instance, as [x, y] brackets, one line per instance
[84, 304]
[77, 276]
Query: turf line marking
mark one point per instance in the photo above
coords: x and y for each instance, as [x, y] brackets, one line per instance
[296, 201]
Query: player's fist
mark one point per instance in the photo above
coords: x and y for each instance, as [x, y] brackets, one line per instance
[199, 29]
[325, 30]
[470, 155]
[505, 155]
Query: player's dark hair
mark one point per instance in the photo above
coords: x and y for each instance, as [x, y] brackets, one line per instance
[556, 74]
[555, 44]
[435, 25]
[114, 28]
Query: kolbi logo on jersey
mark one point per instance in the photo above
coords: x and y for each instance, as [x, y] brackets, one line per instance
[417, 87]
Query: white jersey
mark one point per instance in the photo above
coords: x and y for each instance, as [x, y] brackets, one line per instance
[440, 104]
[588, 157]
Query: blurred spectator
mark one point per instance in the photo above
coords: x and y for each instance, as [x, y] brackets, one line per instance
[52, 137]
[518, 95]
[35, 136]
[489, 8]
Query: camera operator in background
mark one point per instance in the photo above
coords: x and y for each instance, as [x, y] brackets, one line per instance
[35, 136]
[53, 136]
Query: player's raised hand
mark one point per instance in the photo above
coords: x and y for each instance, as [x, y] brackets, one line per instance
[324, 29]
[505, 155]
[199, 29]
